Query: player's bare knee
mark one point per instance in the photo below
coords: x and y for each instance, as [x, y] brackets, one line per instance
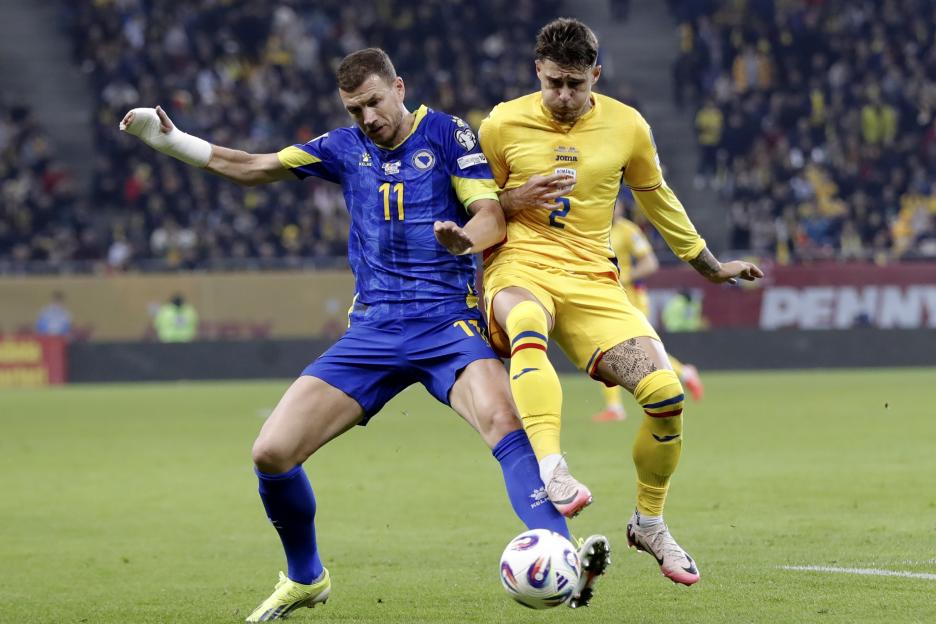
[625, 364]
[493, 420]
[503, 420]
[273, 458]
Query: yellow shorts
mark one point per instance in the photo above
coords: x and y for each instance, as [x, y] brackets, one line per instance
[637, 295]
[591, 311]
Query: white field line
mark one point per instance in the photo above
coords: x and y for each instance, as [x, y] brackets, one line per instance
[864, 571]
[871, 564]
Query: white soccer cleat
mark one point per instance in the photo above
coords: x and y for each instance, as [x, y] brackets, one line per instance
[566, 493]
[675, 563]
[595, 554]
[289, 596]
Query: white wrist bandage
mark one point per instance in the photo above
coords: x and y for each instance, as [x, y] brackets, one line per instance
[187, 148]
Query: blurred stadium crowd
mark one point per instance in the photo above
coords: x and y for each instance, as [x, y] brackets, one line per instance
[39, 214]
[253, 75]
[816, 122]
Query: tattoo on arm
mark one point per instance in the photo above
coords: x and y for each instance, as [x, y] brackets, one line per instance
[705, 263]
[628, 364]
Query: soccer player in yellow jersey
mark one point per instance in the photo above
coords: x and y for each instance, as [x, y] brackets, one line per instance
[637, 261]
[559, 157]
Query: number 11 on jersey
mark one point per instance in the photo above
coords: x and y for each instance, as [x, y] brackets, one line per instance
[384, 189]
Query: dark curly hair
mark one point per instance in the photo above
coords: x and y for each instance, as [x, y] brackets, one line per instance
[567, 42]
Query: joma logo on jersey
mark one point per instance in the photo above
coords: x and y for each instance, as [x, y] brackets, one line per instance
[566, 154]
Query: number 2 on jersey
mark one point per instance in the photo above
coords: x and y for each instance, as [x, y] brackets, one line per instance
[560, 212]
[384, 189]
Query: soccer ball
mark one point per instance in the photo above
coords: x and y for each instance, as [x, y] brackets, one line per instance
[540, 568]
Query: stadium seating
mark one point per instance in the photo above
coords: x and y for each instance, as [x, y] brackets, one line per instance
[260, 77]
[41, 220]
[823, 117]
[828, 123]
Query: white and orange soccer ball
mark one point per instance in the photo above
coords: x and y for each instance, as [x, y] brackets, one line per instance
[540, 569]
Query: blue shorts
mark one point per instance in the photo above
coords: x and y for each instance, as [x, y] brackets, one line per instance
[376, 359]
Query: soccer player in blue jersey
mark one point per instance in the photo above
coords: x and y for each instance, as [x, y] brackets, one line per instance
[422, 200]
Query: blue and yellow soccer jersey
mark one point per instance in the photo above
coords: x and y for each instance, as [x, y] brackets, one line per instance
[394, 197]
[609, 144]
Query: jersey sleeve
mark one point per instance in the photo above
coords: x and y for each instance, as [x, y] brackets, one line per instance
[317, 158]
[465, 162]
[667, 215]
[643, 171]
[492, 146]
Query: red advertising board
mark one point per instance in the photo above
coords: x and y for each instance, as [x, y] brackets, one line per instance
[32, 361]
[817, 296]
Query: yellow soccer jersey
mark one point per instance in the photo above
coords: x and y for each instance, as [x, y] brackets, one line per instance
[611, 143]
[628, 243]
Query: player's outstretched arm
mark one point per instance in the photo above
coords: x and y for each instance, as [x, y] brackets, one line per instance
[485, 228]
[645, 266]
[714, 271]
[537, 192]
[153, 127]
[247, 169]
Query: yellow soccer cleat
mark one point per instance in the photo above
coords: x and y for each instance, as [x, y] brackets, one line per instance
[289, 596]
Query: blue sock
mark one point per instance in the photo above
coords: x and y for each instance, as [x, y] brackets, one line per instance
[290, 506]
[524, 486]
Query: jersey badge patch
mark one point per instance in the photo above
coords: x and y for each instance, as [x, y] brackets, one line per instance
[423, 160]
[567, 171]
[466, 138]
[471, 160]
[391, 168]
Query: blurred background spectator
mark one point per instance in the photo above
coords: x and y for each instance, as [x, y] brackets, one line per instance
[55, 319]
[682, 313]
[176, 321]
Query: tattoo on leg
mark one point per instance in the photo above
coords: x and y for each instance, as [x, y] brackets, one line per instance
[628, 363]
[705, 263]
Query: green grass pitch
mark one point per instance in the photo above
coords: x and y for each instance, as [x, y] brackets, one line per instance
[137, 504]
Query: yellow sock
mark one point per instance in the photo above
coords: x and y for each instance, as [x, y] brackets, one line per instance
[677, 366]
[612, 396]
[659, 439]
[533, 380]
